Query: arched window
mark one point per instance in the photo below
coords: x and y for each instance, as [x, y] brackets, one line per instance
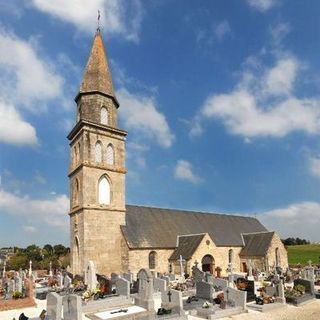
[75, 195]
[152, 260]
[230, 256]
[104, 115]
[110, 154]
[98, 152]
[104, 191]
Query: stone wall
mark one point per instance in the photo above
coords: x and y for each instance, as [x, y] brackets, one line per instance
[271, 256]
[139, 258]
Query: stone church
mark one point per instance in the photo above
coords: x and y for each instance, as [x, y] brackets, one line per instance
[119, 237]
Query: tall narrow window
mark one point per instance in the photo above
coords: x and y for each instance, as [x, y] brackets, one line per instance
[110, 154]
[152, 260]
[104, 115]
[76, 193]
[98, 152]
[104, 191]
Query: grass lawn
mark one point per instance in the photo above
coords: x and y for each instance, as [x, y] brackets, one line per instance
[302, 254]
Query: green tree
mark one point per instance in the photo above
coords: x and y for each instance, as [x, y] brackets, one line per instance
[18, 261]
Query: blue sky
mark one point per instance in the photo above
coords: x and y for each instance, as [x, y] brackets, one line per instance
[221, 100]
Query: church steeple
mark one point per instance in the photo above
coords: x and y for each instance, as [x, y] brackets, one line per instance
[97, 76]
[96, 100]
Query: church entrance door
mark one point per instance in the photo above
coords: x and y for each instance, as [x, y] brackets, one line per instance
[208, 263]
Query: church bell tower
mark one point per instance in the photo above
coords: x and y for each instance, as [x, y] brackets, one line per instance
[97, 170]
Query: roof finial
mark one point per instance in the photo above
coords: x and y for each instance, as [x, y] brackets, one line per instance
[98, 24]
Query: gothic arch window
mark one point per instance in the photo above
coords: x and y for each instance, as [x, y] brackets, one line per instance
[98, 152]
[110, 154]
[76, 253]
[152, 260]
[75, 196]
[230, 256]
[104, 115]
[104, 191]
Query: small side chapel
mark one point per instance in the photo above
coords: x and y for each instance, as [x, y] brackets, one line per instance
[119, 237]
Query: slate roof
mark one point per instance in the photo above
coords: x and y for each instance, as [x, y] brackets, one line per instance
[97, 75]
[148, 227]
[256, 244]
[187, 246]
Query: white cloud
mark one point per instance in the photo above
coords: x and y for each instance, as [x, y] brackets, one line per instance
[297, 220]
[261, 5]
[50, 211]
[279, 32]
[222, 29]
[120, 17]
[264, 104]
[25, 80]
[30, 229]
[184, 171]
[314, 166]
[13, 129]
[141, 116]
[24, 73]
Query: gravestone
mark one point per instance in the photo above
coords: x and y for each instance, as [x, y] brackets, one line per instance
[271, 291]
[12, 286]
[114, 276]
[280, 291]
[54, 306]
[159, 284]
[309, 285]
[60, 280]
[144, 298]
[171, 277]
[90, 276]
[18, 283]
[208, 277]
[235, 297]
[67, 282]
[166, 279]
[123, 287]
[72, 309]
[128, 276]
[204, 290]
[219, 284]
[309, 273]
[197, 274]
[172, 299]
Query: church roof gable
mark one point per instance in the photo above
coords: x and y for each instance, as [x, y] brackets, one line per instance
[256, 244]
[148, 227]
[186, 247]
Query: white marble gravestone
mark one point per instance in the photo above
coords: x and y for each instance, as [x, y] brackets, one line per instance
[145, 292]
[54, 306]
[72, 309]
[90, 276]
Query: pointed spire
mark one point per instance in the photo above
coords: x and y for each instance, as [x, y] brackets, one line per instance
[97, 76]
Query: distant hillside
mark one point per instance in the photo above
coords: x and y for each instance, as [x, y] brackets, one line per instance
[303, 253]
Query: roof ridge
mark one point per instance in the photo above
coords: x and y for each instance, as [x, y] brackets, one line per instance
[192, 211]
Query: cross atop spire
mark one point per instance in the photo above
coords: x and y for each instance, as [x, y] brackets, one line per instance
[97, 75]
[98, 22]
